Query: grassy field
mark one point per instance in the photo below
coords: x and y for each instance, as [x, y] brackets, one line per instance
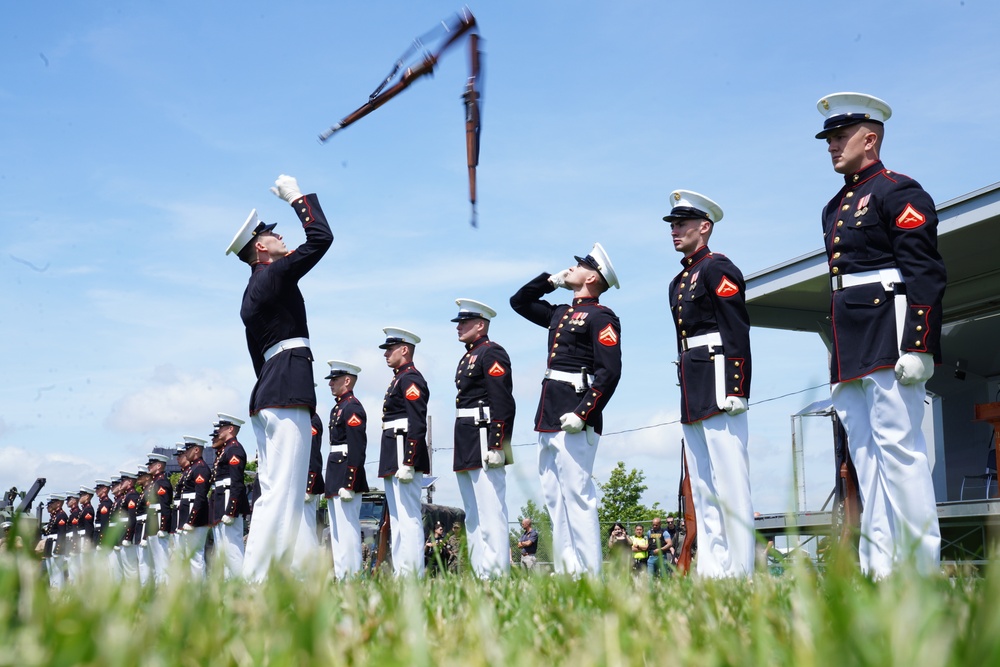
[799, 619]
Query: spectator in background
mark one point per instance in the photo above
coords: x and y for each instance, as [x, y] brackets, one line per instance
[661, 549]
[528, 543]
[619, 547]
[640, 550]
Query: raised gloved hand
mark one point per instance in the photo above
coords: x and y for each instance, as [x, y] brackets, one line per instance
[914, 367]
[559, 279]
[405, 473]
[161, 534]
[287, 188]
[346, 495]
[187, 528]
[494, 458]
[228, 520]
[735, 405]
[571, 423]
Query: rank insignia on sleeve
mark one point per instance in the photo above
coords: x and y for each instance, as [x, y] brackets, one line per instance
[104, 510]
[236, 460]
[910, 218]
[314, 431]
[608, 336]
[496, 370]
[726, 287]
[161, 491]
[199, 480]
[354, 421]
[412, 392]
[131, 504]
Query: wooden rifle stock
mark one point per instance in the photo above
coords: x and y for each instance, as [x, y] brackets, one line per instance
[690, 522]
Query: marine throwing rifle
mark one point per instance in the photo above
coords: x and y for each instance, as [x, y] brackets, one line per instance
[463, 23]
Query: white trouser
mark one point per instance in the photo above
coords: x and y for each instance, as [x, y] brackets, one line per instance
[229, 546]
[284, 438]
[159, 554]
[56, 566]
[144, 562]
[129, 556]
[406, 524]
[719, 466]
[72, 567]
[899, 515]
[114, 563]
[345, 535]
[305, 555]
[565, 469]
[193, 547]
[484, 494]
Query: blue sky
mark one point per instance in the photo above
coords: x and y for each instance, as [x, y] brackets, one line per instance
[136, 137]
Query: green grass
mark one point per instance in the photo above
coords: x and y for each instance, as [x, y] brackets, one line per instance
[801, 619]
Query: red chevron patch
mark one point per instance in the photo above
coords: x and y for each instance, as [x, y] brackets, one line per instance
[412, 392]
[162, 491]
[354, 421]
[726, 288]
[910, 218]
[236, 460]
[496, 370]
[199, 480]
[608, 336]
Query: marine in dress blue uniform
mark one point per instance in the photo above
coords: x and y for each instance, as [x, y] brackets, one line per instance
[87, 518]
[54, 532]
[708, 305]
[345, 469]
[583, 368]
[284, 397]
[404, 458]
[888, 281]
[181, 504]
[229, 493]
[130, 508]
[484, 420]
[159, 496]
[75, 514]
[197, 483]
[143, 478]
[102, 509]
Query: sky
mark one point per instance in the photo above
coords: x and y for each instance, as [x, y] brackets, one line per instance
[136, 137]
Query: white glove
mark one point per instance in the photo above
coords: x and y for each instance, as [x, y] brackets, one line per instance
[117, 548]
[559, 279]
[494, 458]
[287, 188]
[228, 520]
[346, 495]
[187, 528]
[98, 547]
[735, 405]
[126, 543]
[309, 497]
[143, 543]
[405, 473]
[914, 367]
[161, 534]
[571, 423]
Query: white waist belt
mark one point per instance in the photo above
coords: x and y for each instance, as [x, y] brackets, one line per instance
[187, 496]
[223, 482]
[338, 449]
[711, 339]
[888, 278]
[472, 412]
[575, 379]
[287, 344]
[395, 424]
